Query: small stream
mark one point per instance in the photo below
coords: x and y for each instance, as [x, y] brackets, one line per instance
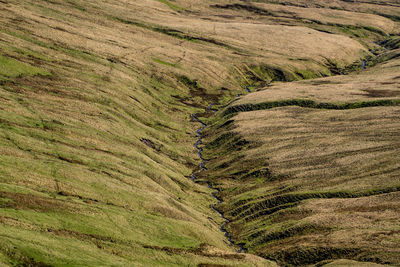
[202, 167]
[199, 142]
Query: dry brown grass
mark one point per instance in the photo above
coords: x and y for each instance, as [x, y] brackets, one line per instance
[312, 155]
[381, 7]
[380, 82]
[326, 148]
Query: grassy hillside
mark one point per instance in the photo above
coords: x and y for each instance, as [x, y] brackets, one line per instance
[309, 171]
[96, 135]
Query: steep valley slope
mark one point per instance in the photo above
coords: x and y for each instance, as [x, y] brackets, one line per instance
[96, 132]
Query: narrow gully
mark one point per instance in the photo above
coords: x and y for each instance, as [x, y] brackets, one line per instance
[196, 145]
[203, 168]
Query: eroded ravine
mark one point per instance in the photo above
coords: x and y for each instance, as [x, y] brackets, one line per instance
[196, 145]
[202, 167]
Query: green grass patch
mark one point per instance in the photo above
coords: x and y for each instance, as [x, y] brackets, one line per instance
[11, 68]
[159, 61]
[32, 54]
[171, 5]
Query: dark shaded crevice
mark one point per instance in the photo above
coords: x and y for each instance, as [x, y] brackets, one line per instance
[257, 209]
[260, 237]
[310, 255]
[389, 16]
[306, 103]
[353, 27]
[175, 33]
[391, 43]
[249, 8]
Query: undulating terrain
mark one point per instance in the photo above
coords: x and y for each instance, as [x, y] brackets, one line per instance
[302, 105]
